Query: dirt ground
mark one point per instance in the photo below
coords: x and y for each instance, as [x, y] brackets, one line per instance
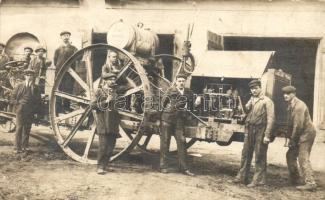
[47, 173]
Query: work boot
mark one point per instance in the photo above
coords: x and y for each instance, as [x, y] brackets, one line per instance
[308, 186]
[17, 151]
[254, 184]
[164, 170]
[188, 173]
[235, 181]
[27, 150]
[101, 171]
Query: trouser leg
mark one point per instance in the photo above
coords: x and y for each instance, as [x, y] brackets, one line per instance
[164, 143]
[260, 158]
[292, 155]
[25, 134]
[102, 149]
[181, 148]
[304, 162]
[105, 149]
[19, 132]
[111, 142]
[246, 157]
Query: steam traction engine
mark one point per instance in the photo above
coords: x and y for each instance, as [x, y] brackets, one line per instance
[141, 75]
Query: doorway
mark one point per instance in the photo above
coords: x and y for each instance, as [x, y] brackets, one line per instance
[296, 56]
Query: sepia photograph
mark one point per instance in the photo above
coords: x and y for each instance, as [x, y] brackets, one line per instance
[162, 99]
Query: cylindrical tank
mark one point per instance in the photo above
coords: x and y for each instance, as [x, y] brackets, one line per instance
[137, 40]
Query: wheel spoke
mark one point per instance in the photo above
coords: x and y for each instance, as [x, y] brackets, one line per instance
[132, 91]
[123, 70]
[71, 97]
[82, 83]
[76, 127]
[89, 142]
[146, 142]
[130, 114]
[69, 115]
[87, 57]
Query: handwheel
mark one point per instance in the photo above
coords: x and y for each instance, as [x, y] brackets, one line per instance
[71, 116]
[167, 63]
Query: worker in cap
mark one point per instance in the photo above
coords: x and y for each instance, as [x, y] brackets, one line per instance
[40, 48]
[181, 75]
[289, 89]
[259, 123]
[61, 55]
[4, 58]
[302, 134]
[28, 48]
[40, 64]
[65, 33]
[26, 57]
[175, 102]
[113, 63]
[254, 83]
[108, 120]
[26, 98]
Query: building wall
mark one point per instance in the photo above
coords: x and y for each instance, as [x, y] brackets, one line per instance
[259, 19]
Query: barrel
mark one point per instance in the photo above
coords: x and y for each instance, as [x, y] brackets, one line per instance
[137, 40]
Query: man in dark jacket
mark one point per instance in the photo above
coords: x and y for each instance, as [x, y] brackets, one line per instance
[61, 55]
[39, 65]
[175, 103]
[303, 134]
[108, 120]
[259, 124]
[26, 98]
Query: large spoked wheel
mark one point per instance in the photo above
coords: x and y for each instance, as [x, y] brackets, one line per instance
[71, 115]
[172, 65]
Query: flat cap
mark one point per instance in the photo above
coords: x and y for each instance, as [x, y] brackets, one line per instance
[65, 32]
[29, 71]
[40, 47]
[254, 82]
[27, 47]
[289, 89]
[108, 75]
[2, 44]
[181, 75]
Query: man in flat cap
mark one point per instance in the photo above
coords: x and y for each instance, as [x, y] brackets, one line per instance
[26, 98]
[27, 56]
[303, 133]
[39, 64]
[175, 102]
[4, 58]
[108, 120]
[259, 123]
[60, 56]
